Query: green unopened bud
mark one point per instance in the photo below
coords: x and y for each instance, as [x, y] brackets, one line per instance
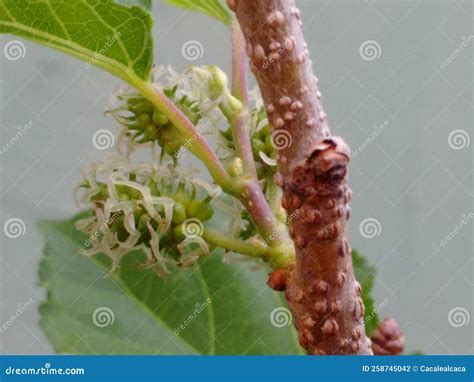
[134, 101]
[142, 226]
[154, 188]
[143, 108]
[216, 80]
[169, 139]
[143, 120]
[200, 210]
[102, 194]
[235, 168]
[179, 213]
[264, 132]
[257, 146]
[127, 192]
[268, 145]
[151, 133]
[178, 232]
[261, 172]
[181, 196]
[159, 118]
[219, 82]
[124, 197]
[234, 103]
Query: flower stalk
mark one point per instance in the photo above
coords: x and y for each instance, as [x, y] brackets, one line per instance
[244, 187]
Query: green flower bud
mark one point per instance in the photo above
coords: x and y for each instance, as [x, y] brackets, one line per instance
[179, 213]
[268, 145]
[102, 194]
[143, 120]
[257, 146]
[159, 118]
[143, 108]
[153, 185]
[151, 133]
[124, 197]
[200, 210]
[181, 196]
[141, 226]
[235, 168]
[178, 232]
[264, 132]
[218, 83]
[261, 172]
[127, 193]
[169, 139]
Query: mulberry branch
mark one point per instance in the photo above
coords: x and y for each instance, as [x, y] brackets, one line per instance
[321, 289]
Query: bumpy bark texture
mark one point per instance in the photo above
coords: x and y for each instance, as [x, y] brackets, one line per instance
[388, 338]
[321, 289]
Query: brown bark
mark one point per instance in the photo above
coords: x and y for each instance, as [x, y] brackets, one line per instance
[321, 289]
[388, 338]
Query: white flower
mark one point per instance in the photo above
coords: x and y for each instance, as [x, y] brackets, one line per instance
[133, 206]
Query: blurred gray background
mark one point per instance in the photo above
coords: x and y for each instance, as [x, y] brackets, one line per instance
[400, 68]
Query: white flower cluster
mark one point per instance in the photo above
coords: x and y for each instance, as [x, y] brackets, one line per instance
[138, 207]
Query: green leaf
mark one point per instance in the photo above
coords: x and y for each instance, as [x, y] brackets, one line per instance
[215, 308]
[212, 8]
[100, 32]
[365, 274]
